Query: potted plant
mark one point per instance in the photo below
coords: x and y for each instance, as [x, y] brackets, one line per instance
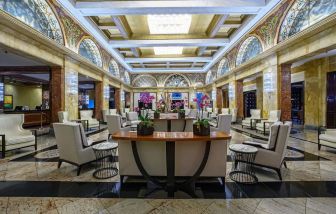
[182, 113]
[157, 114]
[146, 126]
[201, 126]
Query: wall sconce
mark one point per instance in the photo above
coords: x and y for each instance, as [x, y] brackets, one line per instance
[231, 91]
[72, 83]
[268, 82]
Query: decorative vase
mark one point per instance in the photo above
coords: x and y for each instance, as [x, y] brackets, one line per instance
[181, 115]
[144, 130]
[201, 130]
[156, 115]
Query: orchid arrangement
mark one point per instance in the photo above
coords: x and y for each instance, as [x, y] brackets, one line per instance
[146, 99]
[161, 105]
[202, 103]
[177, 107]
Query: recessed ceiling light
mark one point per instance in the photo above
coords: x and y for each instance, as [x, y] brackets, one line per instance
[169, 24]
[167, 50]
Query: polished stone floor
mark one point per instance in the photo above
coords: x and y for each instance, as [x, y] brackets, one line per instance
[31, 183]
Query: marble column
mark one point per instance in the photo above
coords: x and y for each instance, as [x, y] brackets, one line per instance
[99, 99]
[57, 92]
[219, 95]
[270, 86]
[285, 87]
[239, 94]
[259, 86]
[117, 99]
[71, 93]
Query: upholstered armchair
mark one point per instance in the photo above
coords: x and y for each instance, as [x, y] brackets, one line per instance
[233, 112]
[326, 137]
[223, 123]
[13, 136]
[263, 125]
[132, 118]
[192, 113]
[271, 154]
[225, 111]
[114, 124]
[72, 144]
[63, 116]
[88, 115]
[251, 121]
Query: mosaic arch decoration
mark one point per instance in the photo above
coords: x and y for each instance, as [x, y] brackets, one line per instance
[209, 77]
[223, 67]
[90, 51]
[143, 81]
[249, 49]
[126, 78]
[304, 13]
[37, 14]
[176, 80]
[114, 68]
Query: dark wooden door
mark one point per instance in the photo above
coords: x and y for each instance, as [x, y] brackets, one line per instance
[331, 100]
[250, 102]
[297, 100]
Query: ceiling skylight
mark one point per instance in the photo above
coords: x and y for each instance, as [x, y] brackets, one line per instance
[169, 24]
[168, 50]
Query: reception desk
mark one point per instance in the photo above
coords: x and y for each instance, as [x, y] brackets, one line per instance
[172, 155]
[33, 117]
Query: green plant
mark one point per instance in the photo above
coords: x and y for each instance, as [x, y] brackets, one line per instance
[182, 111]
[145, 121]
[157, 111]
[202, 122]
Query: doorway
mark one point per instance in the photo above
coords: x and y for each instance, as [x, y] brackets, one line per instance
[225, 98]
[250, 102]
[331, 100]
[297, 98]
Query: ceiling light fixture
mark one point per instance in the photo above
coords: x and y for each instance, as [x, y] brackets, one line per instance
[168, 50]
[169, 24]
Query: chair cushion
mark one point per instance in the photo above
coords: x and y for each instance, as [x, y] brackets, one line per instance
[19, 139]
[326, 137]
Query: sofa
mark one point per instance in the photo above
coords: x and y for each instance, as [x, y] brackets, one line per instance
[13, 136]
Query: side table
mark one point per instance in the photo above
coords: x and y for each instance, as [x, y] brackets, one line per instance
[106, 166]
[242, 160]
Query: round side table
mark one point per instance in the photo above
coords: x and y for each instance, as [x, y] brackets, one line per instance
[106, 166]
[242, 159]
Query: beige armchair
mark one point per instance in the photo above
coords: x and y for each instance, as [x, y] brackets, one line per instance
[233, 112]
[223, 123]
[225, 111]
[326, 137]
[264, 125]
[63, 116]
[72, 144]
[114, 124]
[88, 115]
[271, 154]
[251, 121]
[132, 118]
[13, 136]
[108, 112]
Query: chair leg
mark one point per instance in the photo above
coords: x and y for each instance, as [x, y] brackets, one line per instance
[285, 164]
[59, 164]
[279, 173]
[79, 169]
[222, 180]
[319, 147]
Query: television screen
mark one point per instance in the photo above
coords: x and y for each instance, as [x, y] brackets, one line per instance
[8, 102]
[91, 104]
[176, 96]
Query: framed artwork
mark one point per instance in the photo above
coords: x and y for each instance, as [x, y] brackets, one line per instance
[8, 102]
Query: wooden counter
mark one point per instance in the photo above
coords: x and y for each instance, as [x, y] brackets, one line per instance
[170, 136]
[33, 117]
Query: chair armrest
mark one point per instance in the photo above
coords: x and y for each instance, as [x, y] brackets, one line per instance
[321, 129]
[250, 143]
[330, 132]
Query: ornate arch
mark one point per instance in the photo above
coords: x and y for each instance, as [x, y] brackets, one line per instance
[37, 14]
[126, 78]
[209, 78]
[249, 49]
[223, 67]
[145, 81]
[177, 80]
[89, 50]
[304, 13]
[114, 68]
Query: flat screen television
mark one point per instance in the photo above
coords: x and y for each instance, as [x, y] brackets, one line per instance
[8, 102]
[91, 104]
[176, 96]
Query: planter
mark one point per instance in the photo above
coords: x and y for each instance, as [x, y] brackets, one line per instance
[144, 130]
[156, 115]
[182, 115]
[201, 130]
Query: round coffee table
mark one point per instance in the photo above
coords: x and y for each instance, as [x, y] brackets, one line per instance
[106, 165]
[242, 160]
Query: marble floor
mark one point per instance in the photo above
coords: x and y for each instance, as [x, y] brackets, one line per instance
[30, 182]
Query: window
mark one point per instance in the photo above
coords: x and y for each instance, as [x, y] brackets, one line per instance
[90, 51]
[223, 67]
[176, 81]
[145, 81]
[250, 48]
[114, 69]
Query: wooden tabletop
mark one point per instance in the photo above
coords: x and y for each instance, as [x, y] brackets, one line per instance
[187, 118]
[170, 136]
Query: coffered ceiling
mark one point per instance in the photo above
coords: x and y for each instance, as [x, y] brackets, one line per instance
[168, 35]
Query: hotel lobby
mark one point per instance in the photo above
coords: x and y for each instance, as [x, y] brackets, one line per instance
[168, 106]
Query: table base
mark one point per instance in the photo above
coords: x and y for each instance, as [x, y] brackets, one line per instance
[104, 173]
[243, 177]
